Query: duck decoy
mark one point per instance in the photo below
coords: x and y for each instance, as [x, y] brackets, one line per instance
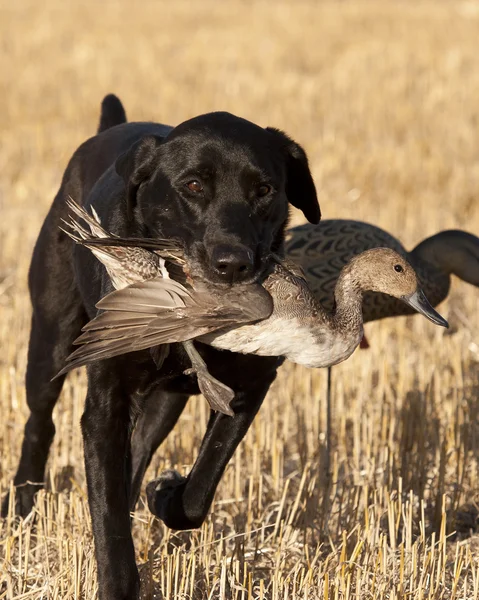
[322, 251]
[299, 328]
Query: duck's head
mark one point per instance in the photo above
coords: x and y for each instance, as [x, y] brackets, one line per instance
[384, 270]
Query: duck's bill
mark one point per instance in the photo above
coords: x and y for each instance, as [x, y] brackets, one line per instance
[419, 302]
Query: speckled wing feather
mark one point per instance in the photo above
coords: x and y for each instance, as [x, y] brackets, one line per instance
[128, 263]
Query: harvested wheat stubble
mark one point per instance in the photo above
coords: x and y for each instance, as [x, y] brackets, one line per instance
[384, 98]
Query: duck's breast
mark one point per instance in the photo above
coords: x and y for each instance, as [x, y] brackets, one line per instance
[271, 337]
[324, 347]
[292, 338]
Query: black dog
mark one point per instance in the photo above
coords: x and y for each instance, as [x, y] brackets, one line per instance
[221, 186]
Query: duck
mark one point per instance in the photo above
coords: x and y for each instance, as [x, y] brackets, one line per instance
[298, 328]
[322, 251]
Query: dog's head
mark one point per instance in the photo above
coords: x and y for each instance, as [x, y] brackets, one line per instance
[220, 185]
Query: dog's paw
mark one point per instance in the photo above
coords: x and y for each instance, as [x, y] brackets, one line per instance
[161, 491]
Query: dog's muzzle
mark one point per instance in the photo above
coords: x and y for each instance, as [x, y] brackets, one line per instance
[232, 263]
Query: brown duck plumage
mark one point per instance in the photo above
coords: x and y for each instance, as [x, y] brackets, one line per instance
[323, 250]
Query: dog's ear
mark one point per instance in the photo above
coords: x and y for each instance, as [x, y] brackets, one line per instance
[136, 165]
[300, 187]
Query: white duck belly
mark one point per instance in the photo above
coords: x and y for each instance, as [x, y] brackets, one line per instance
[300, 343]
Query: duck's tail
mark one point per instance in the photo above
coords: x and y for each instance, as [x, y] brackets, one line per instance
[77, 232]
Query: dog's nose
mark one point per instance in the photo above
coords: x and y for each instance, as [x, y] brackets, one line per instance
[232, 264]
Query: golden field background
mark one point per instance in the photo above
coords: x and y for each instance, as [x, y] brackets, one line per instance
[384, 96]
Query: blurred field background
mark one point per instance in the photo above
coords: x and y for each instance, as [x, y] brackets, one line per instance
[385, 98]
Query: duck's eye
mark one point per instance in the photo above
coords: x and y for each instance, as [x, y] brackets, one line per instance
[263, 190]
[398, 268]
[194, 186]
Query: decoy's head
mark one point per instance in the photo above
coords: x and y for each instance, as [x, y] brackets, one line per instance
[452, 252]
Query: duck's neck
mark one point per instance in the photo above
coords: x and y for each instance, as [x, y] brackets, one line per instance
[347, 314]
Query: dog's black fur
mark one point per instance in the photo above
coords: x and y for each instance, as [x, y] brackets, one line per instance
[138, 177]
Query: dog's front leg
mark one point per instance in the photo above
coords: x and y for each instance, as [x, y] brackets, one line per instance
[106, 432]
[183, 503]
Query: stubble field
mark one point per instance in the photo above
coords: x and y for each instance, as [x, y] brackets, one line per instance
[384, 96]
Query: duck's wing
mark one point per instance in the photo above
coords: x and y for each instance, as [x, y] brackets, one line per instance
[162, 311]
[294, 268]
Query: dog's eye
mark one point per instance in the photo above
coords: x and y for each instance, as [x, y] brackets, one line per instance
[194, 186]
[263, 190]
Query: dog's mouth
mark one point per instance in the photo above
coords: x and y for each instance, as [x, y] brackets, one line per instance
[206, 276]
[198, 268]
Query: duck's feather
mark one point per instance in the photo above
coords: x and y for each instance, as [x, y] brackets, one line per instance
[156, 245]
[162, 311]
[93, 222]
[163, 296]
[111, 333]
[148, 296]
[97, 348]
[115, 320]
[87, 354]
[147, 330]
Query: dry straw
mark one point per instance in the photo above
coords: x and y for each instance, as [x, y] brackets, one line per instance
[384, 96]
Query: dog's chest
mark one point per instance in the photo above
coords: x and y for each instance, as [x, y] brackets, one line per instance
[238, 371]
